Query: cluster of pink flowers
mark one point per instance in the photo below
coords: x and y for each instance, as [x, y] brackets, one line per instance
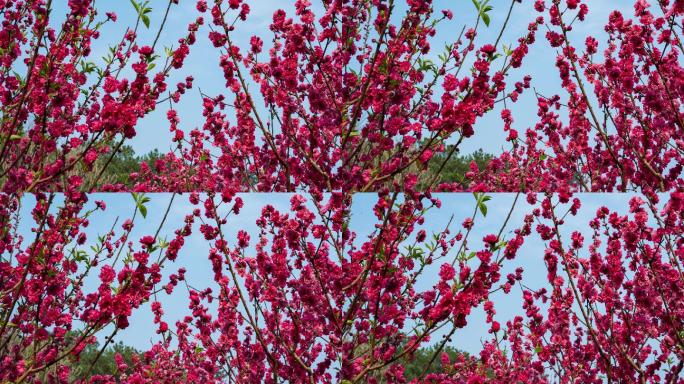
[618, 125]
[325, 106]
[64, 115]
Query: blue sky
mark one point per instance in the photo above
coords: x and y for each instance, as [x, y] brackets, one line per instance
[202, 62]
[193, 256]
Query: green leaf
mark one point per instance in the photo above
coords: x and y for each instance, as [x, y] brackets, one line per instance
[485, 19]
[88, 66]
[143, 211]
[501, 244]
[481, 199]
[140, 200]
[80, 256]
[151, 58]
[469, 256]
[417, 253]
[482, 9]
[142, 10]
[163, 243]
[146, 20]
[483, 209]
